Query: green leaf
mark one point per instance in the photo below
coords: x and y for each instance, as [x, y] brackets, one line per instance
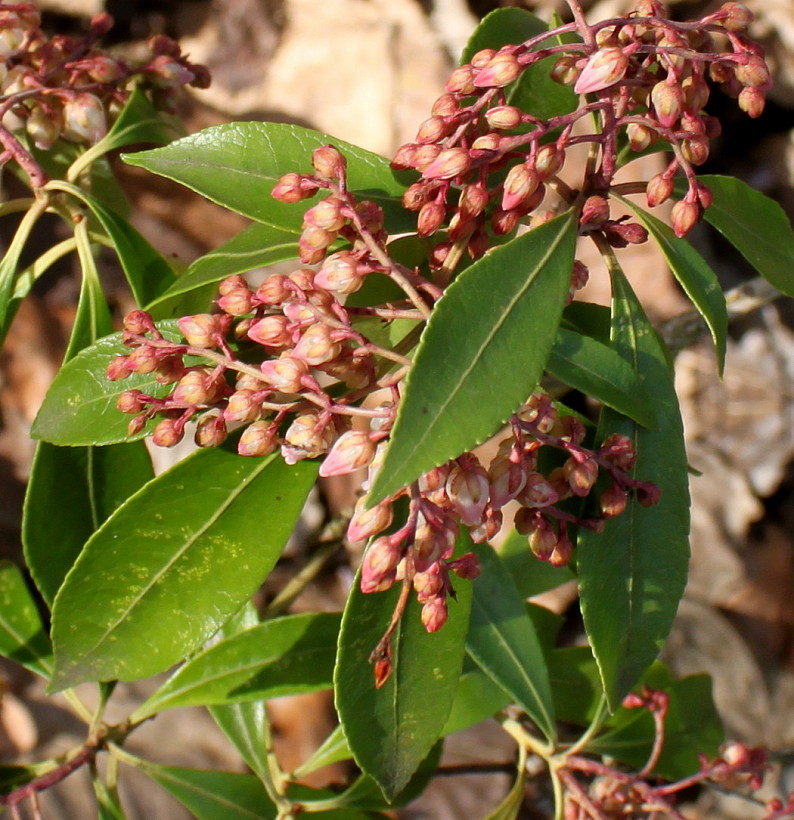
[333, 749]
[80, 406]
[756, 226]
[482, 352]
[238, 164]
[214, 795]
[23, 638]
[503, 642]
[633, 574]
[600, 373]
[503, 27]
[509, 808]
[89, 483]
[174, 562]
[391, 730]
[476, 699]
[694, 275]
[255, 246]
[530, 575]
[283, 656]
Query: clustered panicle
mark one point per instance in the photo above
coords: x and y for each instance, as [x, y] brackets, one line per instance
[71, 88]
[286, 363]
[645, 77]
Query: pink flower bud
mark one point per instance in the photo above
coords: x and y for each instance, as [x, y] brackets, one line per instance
[339, 273]
[293, 188]
[503, 117]
[622, 234]
[538, 492]
[366, 523]
[84, 119]
[118, 369]
[450, 163]
[445, 106]
[668, 103]
[737, 16]
[200, 330]
[613, 501]
[595, 210]
[167, 72]
[563, 550]
[434, 614]
[430, 583]
[696, 92]
[619, 450]
[581, 475]
[379, 564]
[433, 129]
[326, 214]
[483, 57]
[473, 199]
[258, 439]
[309, 434]
[237, 302]
[502, 69]
[193, 389]
[640, 136]
[467, 566]
[604, 68]
[684, 216]
[461, 81]
[313, 243]
[431, 217]
[542, 540]
[43, 126]
[549, 160]
[659, 189]
[648, 494]
[352, 451]
[566, 70]
[521, 182]
[504, 222]
[468, 490]
[210, 431]
[317, 345]
[705, 196]
[487, 142]
[695, 149]
[138, 321]
[405, 157]
[416, 195]
[507, 479]
[274, 290]
[328, 162]
[143, 359]
[752, 101]
[104, 69]
[271, 331]
[285, 374]
[168, 433]
[242, 406]
[131, 401]
[136, 425]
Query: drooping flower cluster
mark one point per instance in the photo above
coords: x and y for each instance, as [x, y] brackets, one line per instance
[71, 88]
[645, 77]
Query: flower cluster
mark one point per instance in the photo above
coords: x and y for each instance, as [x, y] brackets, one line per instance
[70, 88]
[485, 164]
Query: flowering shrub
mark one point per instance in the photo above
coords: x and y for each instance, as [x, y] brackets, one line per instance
[428, 334]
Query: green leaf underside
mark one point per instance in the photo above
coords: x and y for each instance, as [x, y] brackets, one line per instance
[214, 795]
[174, 562]
[100, 479]
[80, 406]
[283, 656]
[238, 164]
[632, 575]
[391, 730]
[255, 246]
[482, 352]
[503, 642]
[600, 373]
[23, 638]
[756, 226]
[693, 273]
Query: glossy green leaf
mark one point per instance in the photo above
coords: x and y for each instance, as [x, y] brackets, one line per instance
[602, 374]
[80, 406]
[255, 246]
[694, 275]
[174, 562]
[238, 164]
[482, 352]
[282, 656]
[23, 638]
[633, 574]
[503, 642]
[530, 575]
[756, 226]
[214, 795]
[476, 699]
[333, 749]
[89, 483]
[391, 730]
[511, 805]
[108, 803]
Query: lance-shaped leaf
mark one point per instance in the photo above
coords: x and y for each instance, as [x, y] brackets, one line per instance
[482, 353]
[22, 635]
[238, 164]
[599, 372]
[693, 273]
[255, 246]
[756, 226]
[503, 642]
[633, 574]
[278, 657]
[174, 562]
[80, 406]
[391, 730]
